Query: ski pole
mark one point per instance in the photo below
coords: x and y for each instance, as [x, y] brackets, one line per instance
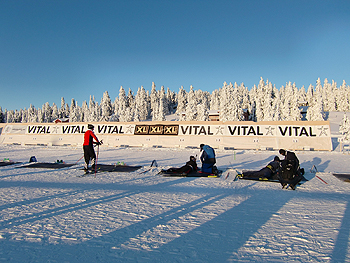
[98, 150]
[321, 179]
[79, 160]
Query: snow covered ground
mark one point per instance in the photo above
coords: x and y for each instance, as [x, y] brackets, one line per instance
[54, 216]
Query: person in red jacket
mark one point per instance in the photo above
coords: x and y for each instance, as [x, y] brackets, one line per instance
[89, 153]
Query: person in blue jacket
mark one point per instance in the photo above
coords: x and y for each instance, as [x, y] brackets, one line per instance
[207, 157]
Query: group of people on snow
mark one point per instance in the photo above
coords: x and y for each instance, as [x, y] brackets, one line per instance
[287, 170]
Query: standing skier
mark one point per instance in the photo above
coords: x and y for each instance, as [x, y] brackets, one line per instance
[88, 146]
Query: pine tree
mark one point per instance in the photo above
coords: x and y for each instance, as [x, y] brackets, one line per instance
[32, 114]
[130, 106]
[115, 115]
[63, 112]
[203, 106]
[342, 100]
[344, 128]
[106, 107]
[1, 116]
[214, 100]
[171, 99]
[46, 113]
[154, 102]
[181, 101]
[122, 103]
[85, 112]
[191, 109]
[10, 116]
[141, 107]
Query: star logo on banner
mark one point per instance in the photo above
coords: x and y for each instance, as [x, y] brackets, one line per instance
[219, 130]
[269, 130]
[55, 129]
[129, 129]
[323, 131]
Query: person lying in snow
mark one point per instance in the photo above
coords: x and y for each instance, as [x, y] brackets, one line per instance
[267, 172]
[190, 166]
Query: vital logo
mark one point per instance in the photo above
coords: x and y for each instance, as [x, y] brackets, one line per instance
[110, 129]
[72, 129]
[295, 131]
[245, 130]
[38, 129]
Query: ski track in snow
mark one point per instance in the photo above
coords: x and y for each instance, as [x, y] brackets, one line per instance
[50, 215]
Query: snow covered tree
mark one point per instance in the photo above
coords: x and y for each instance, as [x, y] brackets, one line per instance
[115, 106]
[259, 101]
[10, 116]
[85, 112]
[162, 96]
[315, 111]
[106, 107]
[24, 114]
[191, 109]
[162, 108]
[1, 116]
[343, 101]
[154, 101]
[72, 113]
[94, 110]
[214, 100]
[130, 106]
[40, 116]
[64, 110]
[54, 112]
[171, 100]
[181, 101]
[46, 113]
[203, 105]
[122, 104]
[141, 107]
[310, 94]
[344, 128]
[329, 93]
[32, 114]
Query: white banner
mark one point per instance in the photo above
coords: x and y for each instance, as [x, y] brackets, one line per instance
[241, 135]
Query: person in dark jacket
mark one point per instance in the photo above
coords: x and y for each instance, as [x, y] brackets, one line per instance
[267, 172]
[290, 173]
[207, 157]
[190, 166]
[88, 146]
[290, 156]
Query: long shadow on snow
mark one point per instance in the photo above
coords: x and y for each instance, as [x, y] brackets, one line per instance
[318, 164]
[48, 213]
[221, 237]
[341, 246]
[225, 234]
[256, 165]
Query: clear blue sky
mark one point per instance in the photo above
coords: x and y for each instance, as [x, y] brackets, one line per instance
[75, 48]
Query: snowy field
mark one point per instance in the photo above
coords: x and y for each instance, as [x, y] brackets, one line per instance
[54, 216]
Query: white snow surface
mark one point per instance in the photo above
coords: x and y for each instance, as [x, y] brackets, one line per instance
[51, 215]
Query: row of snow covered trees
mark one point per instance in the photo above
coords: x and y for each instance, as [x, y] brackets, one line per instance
[264, 103]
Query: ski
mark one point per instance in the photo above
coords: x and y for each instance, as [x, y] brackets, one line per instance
[91, 172]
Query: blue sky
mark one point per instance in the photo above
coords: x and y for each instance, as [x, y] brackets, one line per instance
[73, 49]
